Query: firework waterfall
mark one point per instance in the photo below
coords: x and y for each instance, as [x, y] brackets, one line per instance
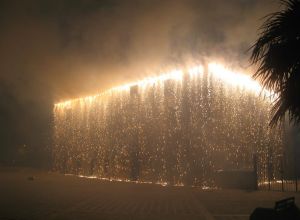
[177, 128]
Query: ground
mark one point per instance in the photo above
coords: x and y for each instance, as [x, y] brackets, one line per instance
[54, 196]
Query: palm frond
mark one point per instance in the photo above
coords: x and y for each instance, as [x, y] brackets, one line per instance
[277, 53]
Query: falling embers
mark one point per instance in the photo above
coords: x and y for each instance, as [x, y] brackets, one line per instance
[176, 131]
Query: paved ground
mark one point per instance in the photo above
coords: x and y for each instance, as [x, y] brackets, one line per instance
[54, 196]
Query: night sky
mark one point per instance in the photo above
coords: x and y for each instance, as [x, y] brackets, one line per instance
[52, 50]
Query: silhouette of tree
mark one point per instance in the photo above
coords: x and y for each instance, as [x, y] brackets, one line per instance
[277, 53]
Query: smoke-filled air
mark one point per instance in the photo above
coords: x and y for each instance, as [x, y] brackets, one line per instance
[149, 109]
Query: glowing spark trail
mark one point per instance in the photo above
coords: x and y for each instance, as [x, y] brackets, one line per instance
[173, 75]
[219, 71]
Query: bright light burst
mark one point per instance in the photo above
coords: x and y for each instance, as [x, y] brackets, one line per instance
[219, 71]
[196, 70]
[236, 79]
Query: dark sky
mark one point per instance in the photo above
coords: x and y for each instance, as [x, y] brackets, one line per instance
[57, 49]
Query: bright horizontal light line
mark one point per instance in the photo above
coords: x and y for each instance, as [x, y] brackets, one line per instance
[217, 70]
[172, 75]
[236, 79]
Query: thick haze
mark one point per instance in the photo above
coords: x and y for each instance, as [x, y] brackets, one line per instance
[70, 47]
[52, 50]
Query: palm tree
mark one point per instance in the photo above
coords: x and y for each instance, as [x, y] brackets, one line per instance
[277, 53]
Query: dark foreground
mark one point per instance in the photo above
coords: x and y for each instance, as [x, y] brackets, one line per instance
[54, 196]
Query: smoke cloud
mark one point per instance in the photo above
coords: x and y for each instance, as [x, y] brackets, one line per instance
[70, 48]
[52, 50]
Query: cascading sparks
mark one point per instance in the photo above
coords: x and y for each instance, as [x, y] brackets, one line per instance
[176, 128]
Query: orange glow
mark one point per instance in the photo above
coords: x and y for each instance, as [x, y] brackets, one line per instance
[219, 71]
